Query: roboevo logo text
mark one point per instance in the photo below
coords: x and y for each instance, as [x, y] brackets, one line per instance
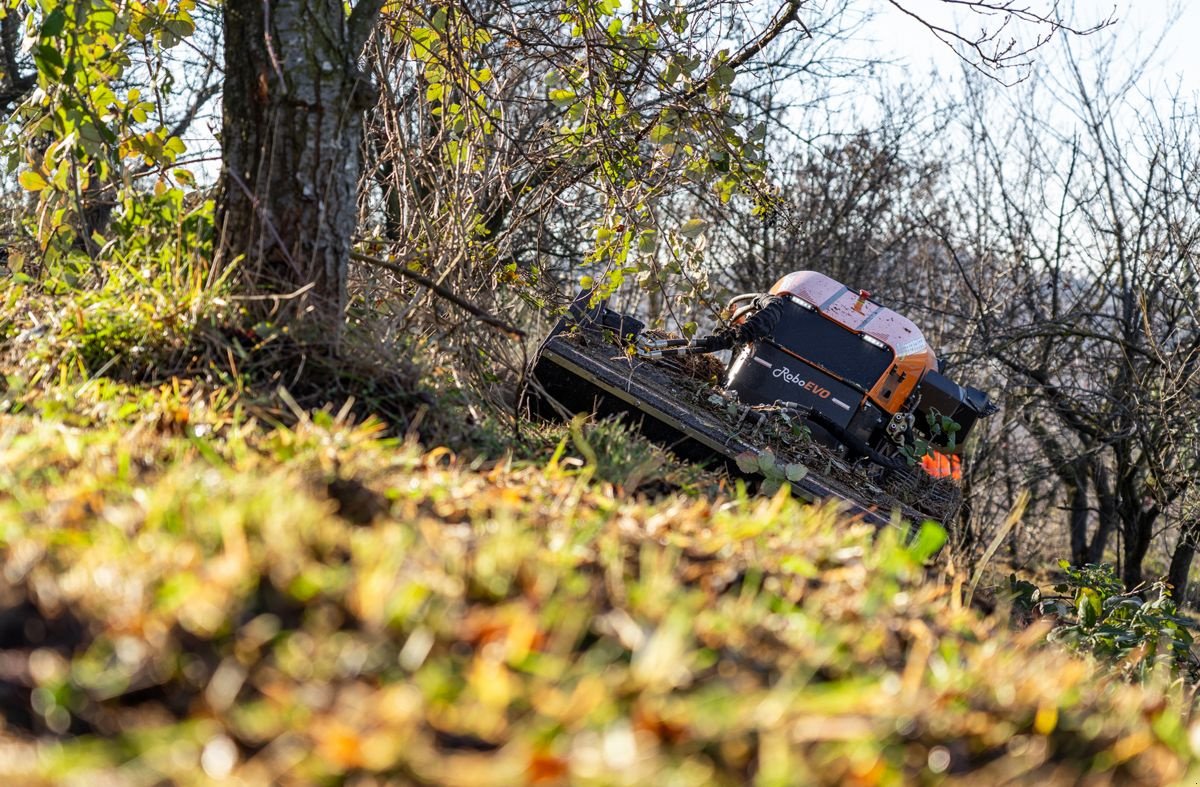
[800, 382]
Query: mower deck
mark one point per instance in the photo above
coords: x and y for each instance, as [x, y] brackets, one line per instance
[582, 374]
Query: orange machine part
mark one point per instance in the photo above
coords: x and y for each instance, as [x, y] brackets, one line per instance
[855, 311]
[941, 465]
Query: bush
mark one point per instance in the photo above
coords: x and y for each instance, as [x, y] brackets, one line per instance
[1134, 630]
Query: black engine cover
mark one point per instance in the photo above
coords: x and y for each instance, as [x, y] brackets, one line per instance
[964, 405]
[762, 373]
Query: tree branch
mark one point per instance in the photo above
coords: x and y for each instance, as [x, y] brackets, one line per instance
[361, 22]
[440, 291]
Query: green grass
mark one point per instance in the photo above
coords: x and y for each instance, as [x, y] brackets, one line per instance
[193, 591]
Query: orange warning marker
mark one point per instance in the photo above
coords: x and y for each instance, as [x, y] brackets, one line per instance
[941, 465]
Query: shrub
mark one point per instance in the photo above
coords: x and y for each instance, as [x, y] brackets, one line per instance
[1134, 630]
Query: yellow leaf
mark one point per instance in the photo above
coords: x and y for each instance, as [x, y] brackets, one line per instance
[491, 682]
[32, 181]
[1046, 720]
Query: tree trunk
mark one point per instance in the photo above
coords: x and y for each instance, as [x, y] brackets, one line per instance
[1107, 519]
[1076, 481]
[1138, 515]
[1139, 532]
[1181, 561]
[292, 137]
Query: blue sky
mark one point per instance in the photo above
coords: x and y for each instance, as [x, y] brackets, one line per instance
[1138, 26]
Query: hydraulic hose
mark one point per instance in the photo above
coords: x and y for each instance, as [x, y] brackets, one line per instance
[758, 320]
[760, 324]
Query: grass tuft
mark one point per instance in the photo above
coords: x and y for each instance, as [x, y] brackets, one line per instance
[70, 350]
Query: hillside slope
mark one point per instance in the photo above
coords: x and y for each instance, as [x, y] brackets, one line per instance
[190, 594]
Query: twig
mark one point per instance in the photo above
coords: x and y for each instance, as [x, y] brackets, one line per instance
[1014, 516]
[440, 291]
[271, 296]
[263, 215]
[271, 46]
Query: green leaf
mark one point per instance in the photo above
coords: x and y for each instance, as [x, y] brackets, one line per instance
[102, 19]
[929, 539]
[48, 60]
[723, 76]
[693, 228]
[54, 24]
[560, 97]
[1088, 606]
[795, 471]
[181, 28]
[662, 133]
[174, 147]
[672, 74]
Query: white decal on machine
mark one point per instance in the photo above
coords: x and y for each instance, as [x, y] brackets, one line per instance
[800, 382]
[760, 361]
[840, 403]
[911, 347]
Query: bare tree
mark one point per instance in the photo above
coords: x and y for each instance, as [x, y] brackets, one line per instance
[1002, 47]
[1100, 231]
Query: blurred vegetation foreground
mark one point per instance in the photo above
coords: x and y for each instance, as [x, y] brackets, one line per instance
[195, 589]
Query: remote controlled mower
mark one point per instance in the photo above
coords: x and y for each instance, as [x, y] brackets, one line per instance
[825, 387]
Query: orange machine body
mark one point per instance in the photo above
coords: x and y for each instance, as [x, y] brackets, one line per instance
[856, 312]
